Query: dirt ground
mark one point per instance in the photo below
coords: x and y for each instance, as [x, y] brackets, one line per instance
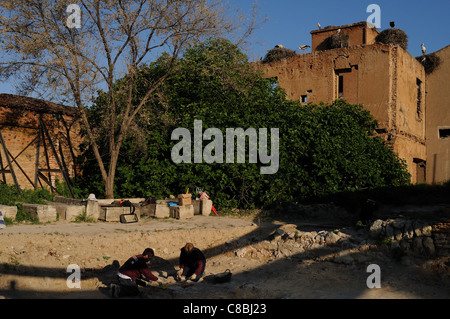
[265, 261]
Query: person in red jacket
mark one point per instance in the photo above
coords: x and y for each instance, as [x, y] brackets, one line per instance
[132, 273]
[192, 263]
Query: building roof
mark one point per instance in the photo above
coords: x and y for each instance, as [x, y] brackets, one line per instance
[443, 49]
[332, 27]
[36, 105]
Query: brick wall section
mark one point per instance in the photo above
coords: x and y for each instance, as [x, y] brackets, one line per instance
[441, 236]
[20, 127]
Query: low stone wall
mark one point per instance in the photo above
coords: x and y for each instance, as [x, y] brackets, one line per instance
[413, 237]
[441, 236]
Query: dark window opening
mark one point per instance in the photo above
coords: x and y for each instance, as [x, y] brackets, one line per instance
[444, 133]
[421, 169]
[304, 98]
[340, 74]
[341, 87]
[419, 98]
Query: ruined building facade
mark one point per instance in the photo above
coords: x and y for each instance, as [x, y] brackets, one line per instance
[409, 105]
[39, 142]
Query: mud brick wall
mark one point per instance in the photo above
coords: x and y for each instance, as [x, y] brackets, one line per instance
[19, 127]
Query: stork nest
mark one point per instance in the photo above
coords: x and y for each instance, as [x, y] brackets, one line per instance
[430, 62]
[278, 54]
[338, 40]
[393, 36]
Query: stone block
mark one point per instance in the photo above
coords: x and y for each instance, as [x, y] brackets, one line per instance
[202, 207]
[162, 211]
[8, 211]
[72, 211]
[92, 209]
[206, 207]
[112, 213]
[148, 210]
[197, 206]
[68, 201]
[60, 209]
[44, 213]
[182, 212]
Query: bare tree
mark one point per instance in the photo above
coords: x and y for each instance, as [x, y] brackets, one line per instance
[47, 54]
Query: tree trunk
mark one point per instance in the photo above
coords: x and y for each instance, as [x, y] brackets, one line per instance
[109, 187]
[109, 181]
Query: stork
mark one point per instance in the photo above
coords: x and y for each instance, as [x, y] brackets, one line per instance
[392, 24]
[318, 24]
[338, 31]
[279, 46]
[303, 47]
[424, 50]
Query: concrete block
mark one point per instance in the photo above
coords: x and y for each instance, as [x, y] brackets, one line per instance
[148, 210]
[44, 213]
[206, 207]
[134, 201]
[112, 213]
[182, 212]
[73, 211]
[162, 211]
[60, 209]
[197, 206]
[9, 211]
[92, 209]
[68, 201]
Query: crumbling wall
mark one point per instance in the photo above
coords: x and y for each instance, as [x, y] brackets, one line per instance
[20, 128]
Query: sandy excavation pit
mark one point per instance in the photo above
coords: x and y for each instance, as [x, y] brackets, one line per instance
[279, 259]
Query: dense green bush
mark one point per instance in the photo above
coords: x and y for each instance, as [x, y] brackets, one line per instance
[11, 197]
[324, 149]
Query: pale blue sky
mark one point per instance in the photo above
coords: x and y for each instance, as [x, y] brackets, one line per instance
[290, 22]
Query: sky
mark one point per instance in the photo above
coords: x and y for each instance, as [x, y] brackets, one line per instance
[289, 22]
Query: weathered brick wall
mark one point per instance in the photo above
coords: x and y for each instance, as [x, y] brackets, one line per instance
[20, 130]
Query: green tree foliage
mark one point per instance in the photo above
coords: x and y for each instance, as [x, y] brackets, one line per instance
[324, 149]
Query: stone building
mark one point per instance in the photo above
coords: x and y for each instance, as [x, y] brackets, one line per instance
[39, 141]
[386, 79]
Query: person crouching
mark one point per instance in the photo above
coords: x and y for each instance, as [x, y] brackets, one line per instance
[192, 263]
[132, 273]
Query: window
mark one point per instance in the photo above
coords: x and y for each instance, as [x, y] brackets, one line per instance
[341, 87]
[419, 99]
[341, 74]
[304, 98]
[444, 133]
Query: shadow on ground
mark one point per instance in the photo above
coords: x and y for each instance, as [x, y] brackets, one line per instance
[326, 271]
